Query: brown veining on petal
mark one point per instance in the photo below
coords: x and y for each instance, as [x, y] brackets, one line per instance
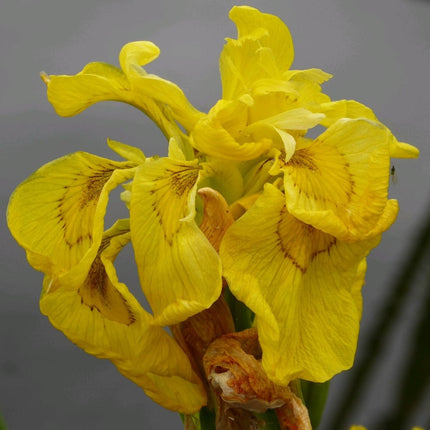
[98, 292]
[170, 195]
[77, 205]
[301, 243]
[321, 173]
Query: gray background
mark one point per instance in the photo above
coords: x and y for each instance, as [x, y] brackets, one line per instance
[378, 51]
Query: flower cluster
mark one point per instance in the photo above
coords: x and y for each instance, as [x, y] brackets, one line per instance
[296, 215]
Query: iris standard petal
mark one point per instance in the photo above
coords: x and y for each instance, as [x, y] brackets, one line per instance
[278, 39]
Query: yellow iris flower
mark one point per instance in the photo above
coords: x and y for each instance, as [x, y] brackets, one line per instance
[307, 211]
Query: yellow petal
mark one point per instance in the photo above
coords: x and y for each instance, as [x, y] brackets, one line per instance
[263, 50]
[278, 39]
[223, 133]
[339, 184]
[345, 109]
[57, 213]
[219, 143]
[131, 84]
[133, 55]
[70, 95]
[136, 54]
[298, 281]
[294, 119]
[103, 318]
[403, 150]
[179, 270]
[353, 109]
[128, 152]
[243, 63]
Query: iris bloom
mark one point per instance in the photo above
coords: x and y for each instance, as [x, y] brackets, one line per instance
[300, 214]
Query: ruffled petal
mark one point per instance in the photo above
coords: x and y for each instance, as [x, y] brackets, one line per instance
[299, 281]
[223, 133]
[264, 49]
[339, 183]
[57, 214]
[278, 38]
[102, 317]
[179, 270]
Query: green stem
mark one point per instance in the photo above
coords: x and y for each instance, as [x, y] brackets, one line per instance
[2, 423]
[207, 419]
[242, 316]
[315, 397]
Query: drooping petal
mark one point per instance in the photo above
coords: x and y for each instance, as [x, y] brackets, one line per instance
[130, 84]
[57, 214]
[179, 270]
[339, 183]
[298, 281]
[102, 317]
[70, 95]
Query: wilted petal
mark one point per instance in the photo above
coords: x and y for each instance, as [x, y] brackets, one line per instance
[179, 270]
[298, 281]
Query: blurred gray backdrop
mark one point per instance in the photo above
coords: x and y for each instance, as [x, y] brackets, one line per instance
[378, 51]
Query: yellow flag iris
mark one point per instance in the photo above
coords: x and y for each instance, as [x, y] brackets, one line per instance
[287, 231]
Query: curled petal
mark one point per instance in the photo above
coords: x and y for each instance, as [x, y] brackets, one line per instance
[134, 55]
[171, 251]
[57, 214]
[298, 281]
[130, 84]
